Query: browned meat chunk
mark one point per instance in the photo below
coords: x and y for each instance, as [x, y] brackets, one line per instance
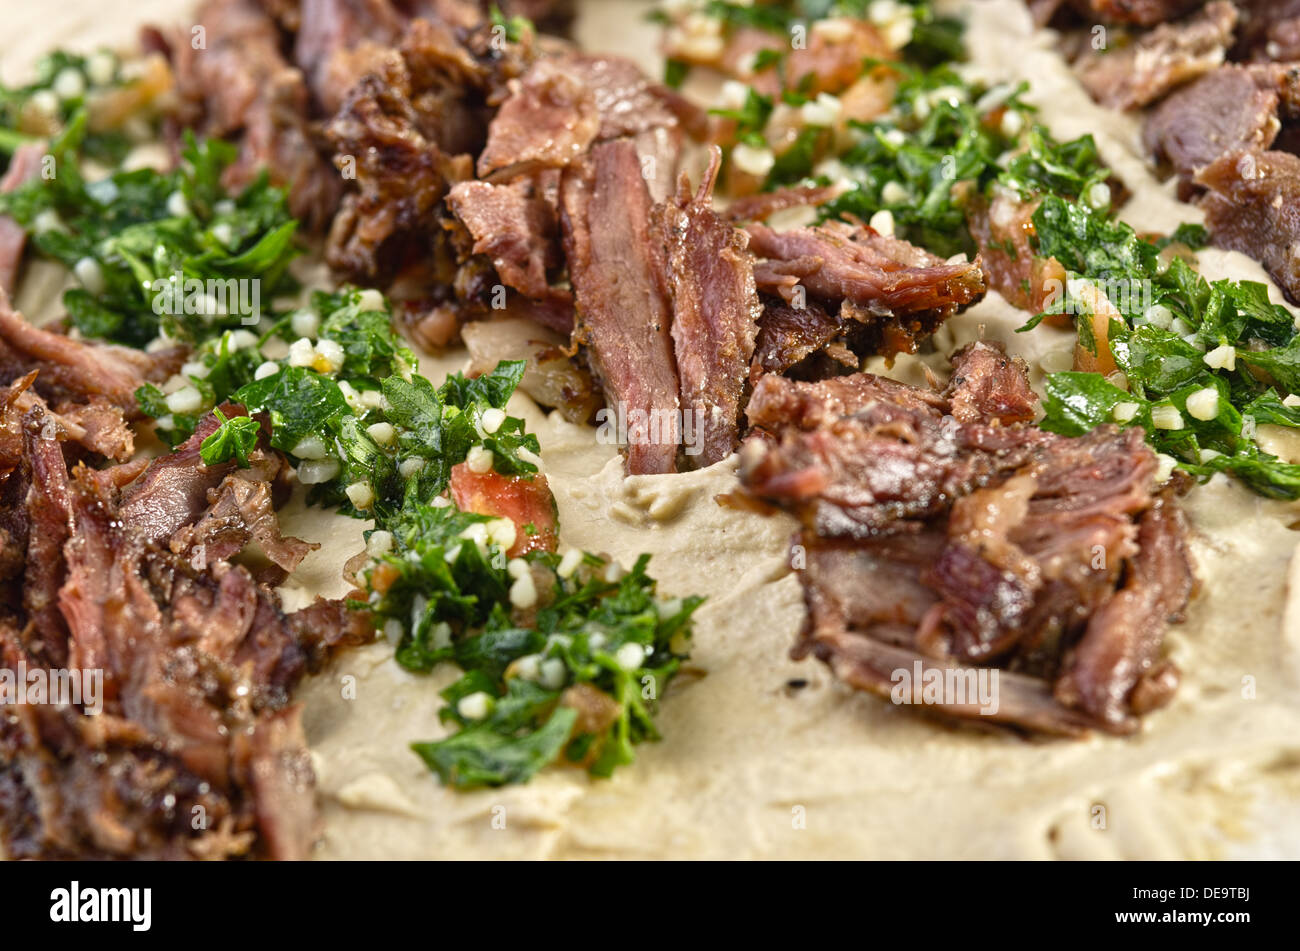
[549, 121]
[1003, 229]
[405, 133]
[240, 510]
[1137, 12]
[565, 103]
[898, 293]
[799, 341]
[710, 276]
[1269, 32]
[988, 384]
[941, 536]
[339, 41]
[175, 490]
[402, 178]
[238, 84]
[195, 753]
[778, 405]
[1252, 205]
[97, 425]
[76, 369]
[1159, 61]
[854, 475]
[513, 225]
[1121, 646]
[624, 314]
[1233, 108]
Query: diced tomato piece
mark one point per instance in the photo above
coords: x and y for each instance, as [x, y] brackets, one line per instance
[525, 501]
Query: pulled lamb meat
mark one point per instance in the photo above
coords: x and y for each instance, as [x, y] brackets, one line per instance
[666, 303]
[516, 226]
[1134, 12]
[938, 529]
[401, 175]
[1159, 61]
[210, 513]
[86, 390]
[624, 312]
[75, 369]
[563, 105]
[988, 384]
[1236, 108]
[800, 342]
[129, 571]
[1252, 205]
[97, 426]
[238, 84]
[406, 133]
[1269, 32]
[196, 752]
[710, 277]
[889, 294]
[337, 42]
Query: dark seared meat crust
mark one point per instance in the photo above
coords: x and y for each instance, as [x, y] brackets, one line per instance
[939, 529]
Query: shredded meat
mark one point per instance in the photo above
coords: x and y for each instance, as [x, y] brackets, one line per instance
[337, 42]
[1235, 108]
[97, 425]
[988, 384]
[1252, 205]
[566, 103]
[799, 341]
[237, 84]
[406, 132]
[1269, 32]
[715, 310]
[402, 176]
[624, 313]
[898, 293]
[517, 228]
[77, 370]
[1159, 61]
[939, 531]
[196, 753]
[1121, 647]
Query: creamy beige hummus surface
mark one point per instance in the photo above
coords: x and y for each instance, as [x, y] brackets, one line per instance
[750, 767]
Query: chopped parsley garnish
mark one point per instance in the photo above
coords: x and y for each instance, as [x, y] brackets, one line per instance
[578, 680]
[512, 28]
[1203, 363]
[233, 439]
[64, 84]
[925, 161]
[751, 118]
[159, 252]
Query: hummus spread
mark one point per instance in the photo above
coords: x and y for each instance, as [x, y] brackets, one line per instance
[763, 757]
